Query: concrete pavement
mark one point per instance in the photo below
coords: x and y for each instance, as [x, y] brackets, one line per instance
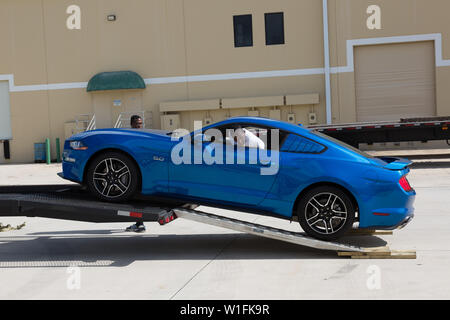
[52, 259]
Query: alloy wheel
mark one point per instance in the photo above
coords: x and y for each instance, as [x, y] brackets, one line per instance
[326, 213]
[112, 178]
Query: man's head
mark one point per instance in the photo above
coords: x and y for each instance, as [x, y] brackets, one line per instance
[239, 135]
[136, 122]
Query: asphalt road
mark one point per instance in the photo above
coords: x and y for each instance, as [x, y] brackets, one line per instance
[52, 259]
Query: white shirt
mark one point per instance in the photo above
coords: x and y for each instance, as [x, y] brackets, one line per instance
[246, 138]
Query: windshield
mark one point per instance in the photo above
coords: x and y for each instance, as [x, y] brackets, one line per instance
[342, 144]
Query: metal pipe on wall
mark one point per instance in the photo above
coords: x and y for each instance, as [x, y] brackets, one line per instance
[326, 49]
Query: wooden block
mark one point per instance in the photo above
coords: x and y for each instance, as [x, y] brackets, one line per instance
[380, 253]
[392, 255]
[372, 251]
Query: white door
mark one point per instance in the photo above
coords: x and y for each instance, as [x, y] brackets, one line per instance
[125, 103]
[102, 110]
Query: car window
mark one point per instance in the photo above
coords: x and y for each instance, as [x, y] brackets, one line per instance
[342, 144]
[299, 144]
[245, 135]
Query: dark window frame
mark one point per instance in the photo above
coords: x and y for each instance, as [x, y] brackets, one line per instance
[245, 42]
[283, 133]
[269, 30]
[341, 144]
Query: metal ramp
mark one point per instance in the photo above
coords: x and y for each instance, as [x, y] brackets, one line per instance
[342, 249]
[262, 231]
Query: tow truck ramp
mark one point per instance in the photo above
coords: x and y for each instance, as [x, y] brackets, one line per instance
[262, 231]
[343, 250]
[71, 202]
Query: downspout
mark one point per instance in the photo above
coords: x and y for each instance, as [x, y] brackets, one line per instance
[326, 49]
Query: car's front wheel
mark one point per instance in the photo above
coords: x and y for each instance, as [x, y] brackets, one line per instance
[326, 213]
[113, 177]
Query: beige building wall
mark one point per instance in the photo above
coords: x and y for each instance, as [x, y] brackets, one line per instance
[398, 18]
[178, 38]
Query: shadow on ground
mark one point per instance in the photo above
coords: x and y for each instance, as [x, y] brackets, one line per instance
[90, 247]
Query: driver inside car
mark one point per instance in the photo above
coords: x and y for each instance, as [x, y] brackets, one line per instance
[245, 138]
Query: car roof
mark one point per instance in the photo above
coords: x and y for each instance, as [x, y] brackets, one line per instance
[289, 127]
[262, 121]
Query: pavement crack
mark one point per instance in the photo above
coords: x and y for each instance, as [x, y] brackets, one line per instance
[207, 264]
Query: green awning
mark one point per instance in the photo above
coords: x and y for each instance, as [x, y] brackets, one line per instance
[117, 80]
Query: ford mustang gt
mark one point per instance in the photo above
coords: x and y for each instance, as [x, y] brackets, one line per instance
[249, 164]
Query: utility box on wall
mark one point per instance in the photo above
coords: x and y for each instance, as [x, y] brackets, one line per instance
[253, 113]
[207, 121]
[312, 117]
[170, 122]
[275, 114]
[291, 118]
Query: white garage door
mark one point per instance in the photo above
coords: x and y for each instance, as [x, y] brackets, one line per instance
[395, 81]
[5, 117]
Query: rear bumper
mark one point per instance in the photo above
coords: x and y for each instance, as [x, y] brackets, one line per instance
[405, 222]
[388, 210]
[398, 226]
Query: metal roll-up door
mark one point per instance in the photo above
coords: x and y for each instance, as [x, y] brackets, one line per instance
[395, 81]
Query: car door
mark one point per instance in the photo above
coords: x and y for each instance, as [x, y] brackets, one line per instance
[235, 179]
[300, 165]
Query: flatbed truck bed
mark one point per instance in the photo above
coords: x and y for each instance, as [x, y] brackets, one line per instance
[403, 130]
[72, 202]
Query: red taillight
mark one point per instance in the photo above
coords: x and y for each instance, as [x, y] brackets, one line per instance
[404, 183]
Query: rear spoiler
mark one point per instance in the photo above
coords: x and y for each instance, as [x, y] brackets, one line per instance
[394, 163]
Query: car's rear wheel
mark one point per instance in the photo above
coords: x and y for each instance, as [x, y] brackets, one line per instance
[326, 213]
[113, 177]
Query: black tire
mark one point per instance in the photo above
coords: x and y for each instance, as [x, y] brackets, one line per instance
[326, 213]
[117, 185]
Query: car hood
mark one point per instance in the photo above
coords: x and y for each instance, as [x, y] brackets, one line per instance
[126, 131]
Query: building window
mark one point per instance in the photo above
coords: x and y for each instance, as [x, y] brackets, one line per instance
[243, 30]
[274, 28]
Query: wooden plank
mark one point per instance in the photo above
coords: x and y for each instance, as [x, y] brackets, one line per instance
[380, 253]
[376, 251]
[392, 255]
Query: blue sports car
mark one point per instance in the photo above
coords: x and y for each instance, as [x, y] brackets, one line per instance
[250, 164]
